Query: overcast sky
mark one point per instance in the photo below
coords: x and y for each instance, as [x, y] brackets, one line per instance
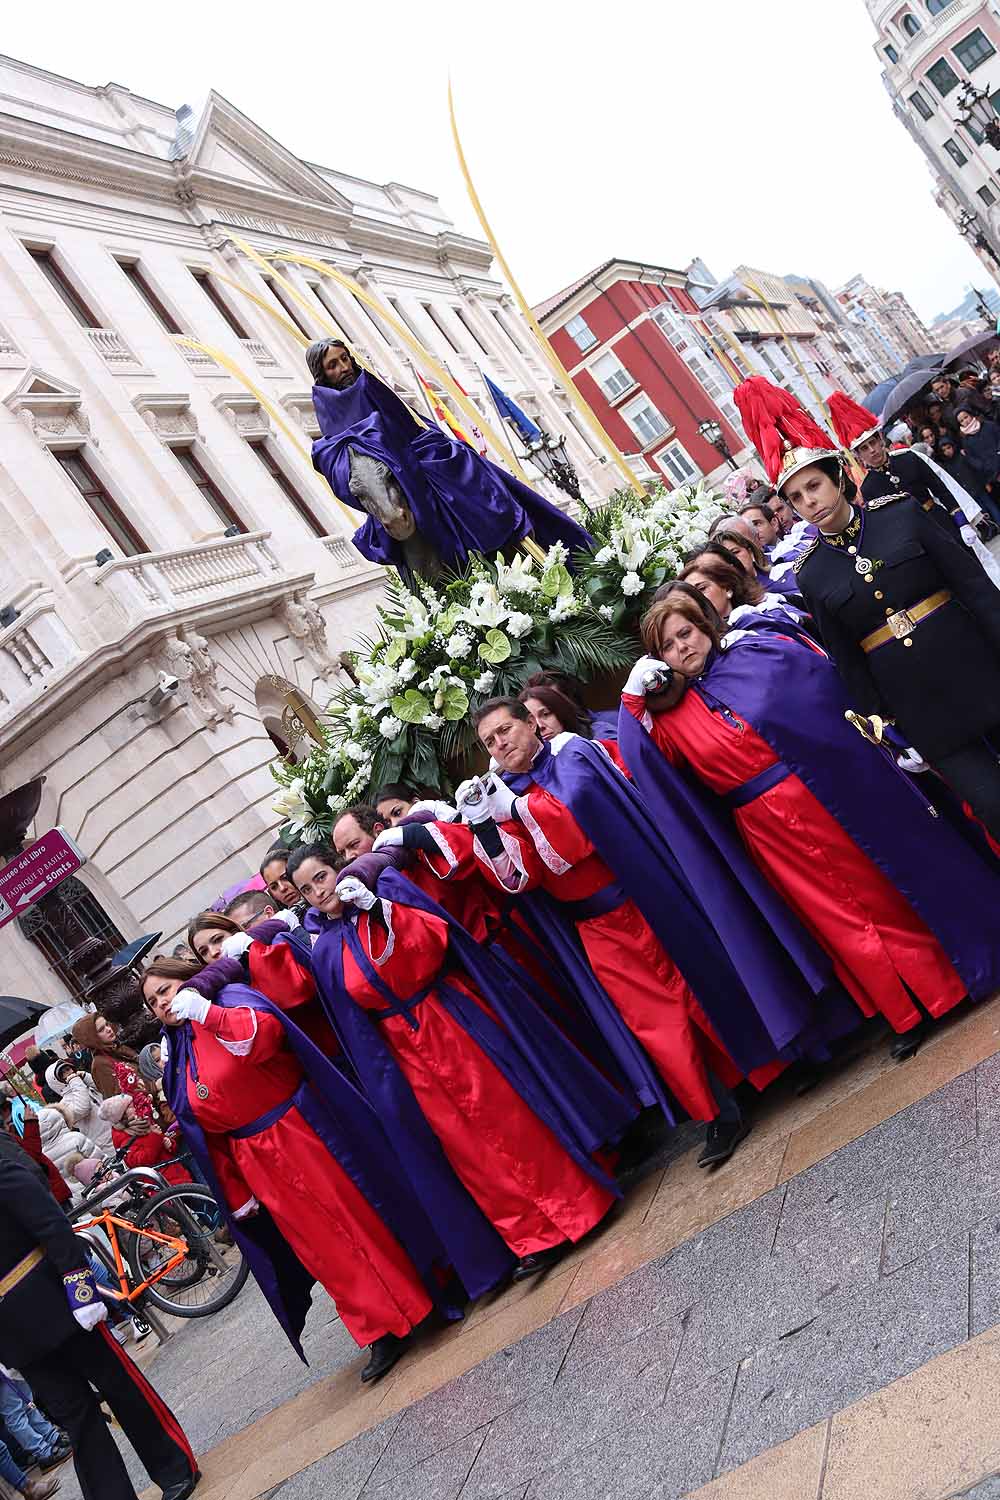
[655, 130]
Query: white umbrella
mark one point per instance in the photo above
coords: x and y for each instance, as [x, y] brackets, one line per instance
[57, 1021]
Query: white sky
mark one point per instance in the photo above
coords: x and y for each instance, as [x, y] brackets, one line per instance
[652, 129]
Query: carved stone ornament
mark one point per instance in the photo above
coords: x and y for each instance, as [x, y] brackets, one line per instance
[244, 413]
[50, 409]
[168, 415]
[304, 622]
[299, 405]
[187, 655]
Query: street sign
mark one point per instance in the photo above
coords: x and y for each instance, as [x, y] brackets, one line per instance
[31, 875]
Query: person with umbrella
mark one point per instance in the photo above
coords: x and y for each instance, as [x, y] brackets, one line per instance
[911, 620]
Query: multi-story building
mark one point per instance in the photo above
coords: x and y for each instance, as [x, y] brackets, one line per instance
[635, 342]
[931, 51]
[888, 322]
[861, 357]
[160, 517]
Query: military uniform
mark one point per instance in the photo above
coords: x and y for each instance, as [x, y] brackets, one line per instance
[43, 1267]
[907, 474]
[913, 624]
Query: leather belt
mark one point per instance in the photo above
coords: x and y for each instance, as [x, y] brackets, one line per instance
[903, 622]
[20, 1271]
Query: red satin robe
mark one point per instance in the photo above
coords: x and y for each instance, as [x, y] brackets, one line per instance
[526, 1184]
[877, 941]
[552, 851]
[277, 974]
[248, 1068]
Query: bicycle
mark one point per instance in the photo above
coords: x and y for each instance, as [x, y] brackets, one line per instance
[171, 1256]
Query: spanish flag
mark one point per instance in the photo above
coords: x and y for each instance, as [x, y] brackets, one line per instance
[445, 417]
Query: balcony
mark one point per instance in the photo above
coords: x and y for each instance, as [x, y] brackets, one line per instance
[931, 29]
[166, 582]
[36, 646]
[260, 354]
[203, 363]
[344, 555]
[114, 351]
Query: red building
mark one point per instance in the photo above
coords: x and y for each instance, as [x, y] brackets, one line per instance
[632, 339]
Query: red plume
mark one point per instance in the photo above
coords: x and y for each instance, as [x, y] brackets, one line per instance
[850, 421]
[774, 421]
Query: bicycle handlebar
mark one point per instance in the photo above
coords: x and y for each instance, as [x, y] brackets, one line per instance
[145, 1175]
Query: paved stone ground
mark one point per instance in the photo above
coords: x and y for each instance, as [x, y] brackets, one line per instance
[822, 1291]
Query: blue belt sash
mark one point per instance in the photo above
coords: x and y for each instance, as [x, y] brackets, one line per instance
[597, 905]
[271, 1117]
[757, 785]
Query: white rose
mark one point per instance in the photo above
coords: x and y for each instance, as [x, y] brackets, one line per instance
[605, 555]
[406, 669]
[432, 721]
[459, 644]
[631, 584]
[519, 624]
[484, 682]
[606, 612]
[390, 727]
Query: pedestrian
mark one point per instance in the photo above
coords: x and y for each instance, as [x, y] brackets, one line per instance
[30, 1428]
[891, 471]
[143, 1143]
[80, 1101]
[299, 1161]
[902, 905]
[115, 1068]
[980, 448]
[53, 1328]
[39, 1060]
[910, 619]
[272, 872]
[970, 395]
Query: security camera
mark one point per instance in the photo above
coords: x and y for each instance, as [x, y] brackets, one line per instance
[153, 703]
[166, 683]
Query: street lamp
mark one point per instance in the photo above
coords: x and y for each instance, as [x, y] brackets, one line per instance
[978, 111]
[712, 433]
[549, 455]
[968, 225]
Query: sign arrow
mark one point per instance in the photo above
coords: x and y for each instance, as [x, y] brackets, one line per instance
[36, 890]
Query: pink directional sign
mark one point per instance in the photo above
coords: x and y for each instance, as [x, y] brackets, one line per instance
[37, 871]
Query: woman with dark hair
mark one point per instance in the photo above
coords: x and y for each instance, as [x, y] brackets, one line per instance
[555, 713]
[396, 801]
[910, 618]
[114, 1070]
[603, 722]
[903, 907]
[297, 1158]
[739, 600]
[750, 557]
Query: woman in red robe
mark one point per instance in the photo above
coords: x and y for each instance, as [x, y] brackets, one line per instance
[248, 1093]
[883, 952]
[526, 1184]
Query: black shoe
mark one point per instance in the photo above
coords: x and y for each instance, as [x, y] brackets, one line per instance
[183, 1489]
[531, 1265]
[721, 1139]
[56, 1457]
[910, 1042]
[384, 1353]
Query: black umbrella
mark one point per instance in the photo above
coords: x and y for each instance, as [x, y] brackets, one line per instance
[876, 399]
[967, 346]
[924, 362]
[133, 953]
[17, 1015]
[908, 389]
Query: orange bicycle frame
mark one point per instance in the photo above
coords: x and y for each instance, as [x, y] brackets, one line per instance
[110, 1223]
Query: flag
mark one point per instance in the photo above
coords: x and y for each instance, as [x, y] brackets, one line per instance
[510, 412]
[442, 414]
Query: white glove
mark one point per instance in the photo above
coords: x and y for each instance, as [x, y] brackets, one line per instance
[289, 918]
[354, 892]
[236, 944]
[251, 1206]
[911, 760]
[471, 801]
[443, 811]
[88, 1317]
[391, 839]
[499, 799]
[636, 684]
[968, 535]
[188, 1005]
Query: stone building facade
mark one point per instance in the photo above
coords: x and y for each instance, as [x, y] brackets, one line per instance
[176, 584]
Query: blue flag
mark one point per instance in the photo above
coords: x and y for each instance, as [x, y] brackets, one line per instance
[509, 411]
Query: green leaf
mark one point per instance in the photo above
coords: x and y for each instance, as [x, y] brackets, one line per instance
[411, 706]
[455, 703]
[556, 581]
[494, 648]
[395, 653]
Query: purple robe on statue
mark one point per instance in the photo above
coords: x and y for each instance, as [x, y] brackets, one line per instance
[460, 501]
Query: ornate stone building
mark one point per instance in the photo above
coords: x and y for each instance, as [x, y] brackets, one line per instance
[176, 584]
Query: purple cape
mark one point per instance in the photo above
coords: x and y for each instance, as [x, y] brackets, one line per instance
[795, 700]
[461, 502]
[350, 1131]
[759, 1002]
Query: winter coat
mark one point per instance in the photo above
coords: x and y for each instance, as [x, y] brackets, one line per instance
[80, 1102]
[59, 1142]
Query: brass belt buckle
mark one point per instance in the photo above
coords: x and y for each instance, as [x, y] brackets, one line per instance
[901, 624]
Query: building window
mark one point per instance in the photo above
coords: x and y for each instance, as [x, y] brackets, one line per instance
[401, 315]
[891, 53]
[473, 335]
[987, 196]
[956, 153]
[581, 333]
[910, 24]
[139, 280]
[943, 76]
[936, 6]
[102, 505]
[440, 325]
[612, 376]
[219, 302]
[920, 103]
[262, 449]
[676, 464]
[672, 328]
[509, 334]
[644, 420]
[213, 496]
[57, 278]
[288, 305]
[74, 934]
[973, 50]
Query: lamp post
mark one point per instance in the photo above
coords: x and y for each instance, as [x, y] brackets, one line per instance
[549, 455]
[968, 225]
[978, 113]
[712, 433]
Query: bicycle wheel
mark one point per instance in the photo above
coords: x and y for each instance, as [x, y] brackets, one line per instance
[210, 1276]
